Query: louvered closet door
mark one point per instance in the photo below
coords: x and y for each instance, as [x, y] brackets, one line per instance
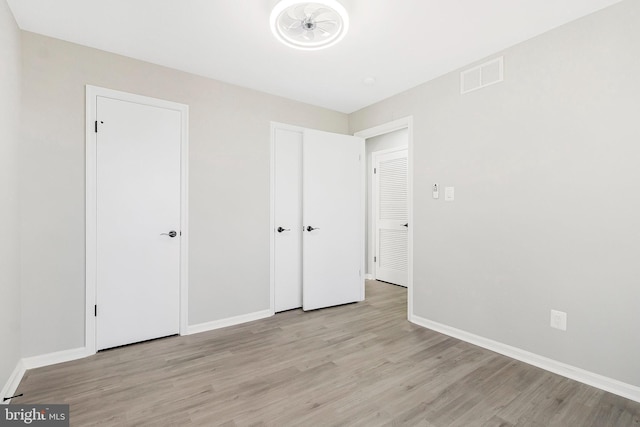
[392, 216]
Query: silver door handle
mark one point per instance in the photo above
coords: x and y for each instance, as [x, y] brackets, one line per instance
[172, 233]
[310, 228]
[280, 229]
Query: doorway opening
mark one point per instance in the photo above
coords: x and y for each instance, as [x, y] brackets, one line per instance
[385, 143]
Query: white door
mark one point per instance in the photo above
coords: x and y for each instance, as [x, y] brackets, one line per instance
[287, 188]
[392, 217]
[138, 212]
[333, 217]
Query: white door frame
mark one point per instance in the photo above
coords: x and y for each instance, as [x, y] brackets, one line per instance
[91, 197]
[402, 123]
[372, 232]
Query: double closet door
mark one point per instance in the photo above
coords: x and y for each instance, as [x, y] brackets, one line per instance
[318, 212]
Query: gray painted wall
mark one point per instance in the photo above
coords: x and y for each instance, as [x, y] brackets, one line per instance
[546, 171]
[545, 168]
[229, 184]
[399, 138]
[9, 242]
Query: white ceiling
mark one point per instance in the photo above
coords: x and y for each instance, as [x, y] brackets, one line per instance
[402, 43]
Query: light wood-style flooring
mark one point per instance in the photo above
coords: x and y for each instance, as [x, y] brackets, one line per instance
[361, 364]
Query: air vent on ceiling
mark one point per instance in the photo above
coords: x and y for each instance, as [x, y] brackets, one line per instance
[483, 75]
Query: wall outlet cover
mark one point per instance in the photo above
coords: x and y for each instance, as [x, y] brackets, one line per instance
[558, 320]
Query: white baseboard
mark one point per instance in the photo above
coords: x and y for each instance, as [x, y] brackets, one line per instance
[53, 358]
[596, 380]
[230, 321]
[13, 382]
[368, 276]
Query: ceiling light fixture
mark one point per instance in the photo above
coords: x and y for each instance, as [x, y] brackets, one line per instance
[309, 25]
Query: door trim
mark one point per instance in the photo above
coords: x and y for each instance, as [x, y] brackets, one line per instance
[92, 92]
[372, 232]
[402, 123]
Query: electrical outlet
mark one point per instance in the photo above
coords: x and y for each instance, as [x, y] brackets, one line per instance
[559, 320]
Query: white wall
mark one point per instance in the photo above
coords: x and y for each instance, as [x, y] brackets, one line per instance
[229, 184]
[546, 171]
[395, 139]
[9, 242]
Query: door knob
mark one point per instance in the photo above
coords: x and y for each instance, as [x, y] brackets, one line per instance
[310, 228]
[172, 233]
[406, 225]
[280, 229]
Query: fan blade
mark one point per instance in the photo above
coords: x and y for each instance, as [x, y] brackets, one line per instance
[295, 31]
[288, 21]
[309, 35]
[300, 12]
[294, 25]
[319, 12]
[327, 28]
[328, 22]
[323, 32]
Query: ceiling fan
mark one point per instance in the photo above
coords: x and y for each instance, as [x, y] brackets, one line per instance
[309, 25]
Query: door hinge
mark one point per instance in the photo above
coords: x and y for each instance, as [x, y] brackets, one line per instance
[96, 126]
[181, 232]
[375, 259]
[95, 311]
[375, 170]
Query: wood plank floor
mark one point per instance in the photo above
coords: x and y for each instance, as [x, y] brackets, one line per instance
[355, 365]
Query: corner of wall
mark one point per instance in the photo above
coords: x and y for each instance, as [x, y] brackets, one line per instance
[12, 383]
[10, 106]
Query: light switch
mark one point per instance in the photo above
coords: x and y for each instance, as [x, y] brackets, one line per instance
[436, 191]
[449, 194]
